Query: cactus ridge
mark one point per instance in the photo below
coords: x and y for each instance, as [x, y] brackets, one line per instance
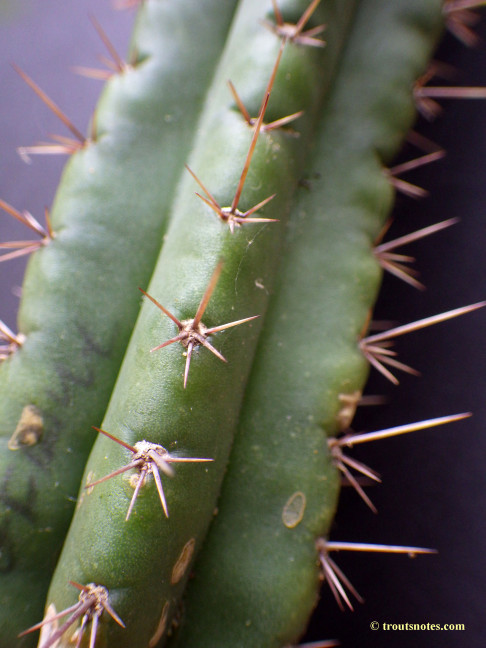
[281, 487]
[79, 297]
[149, 400]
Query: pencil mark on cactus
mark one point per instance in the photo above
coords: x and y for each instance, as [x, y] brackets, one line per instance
[396, 263]
[406, 187]
[63, 145]
[148, 458]
[344, 463]
[295, 32]
[24, 508]
[93, 601]
[7, 561]
[114, 65]
[91, 344]
[193, 332]
[339, 584]
[376, 348]
[69, 377]
[232, 215]
[460, 20]
[21, 248]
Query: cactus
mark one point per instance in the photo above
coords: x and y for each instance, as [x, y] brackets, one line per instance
[136, 533]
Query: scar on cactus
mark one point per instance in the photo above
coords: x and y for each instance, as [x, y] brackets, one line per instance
[93, 601]
[61, 145]
[113, 65]
[396, 263]
[336, 579]
[295, 33]
[193, 332]
[376, 348]
[29, 429]
[345, 463]
[232, 215]
[21, 248]
[148, 458]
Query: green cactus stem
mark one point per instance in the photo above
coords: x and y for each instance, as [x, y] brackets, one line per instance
[257, 578]
[80, 296]
[156, 399]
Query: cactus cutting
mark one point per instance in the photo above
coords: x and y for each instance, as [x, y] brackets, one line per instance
[195, 331]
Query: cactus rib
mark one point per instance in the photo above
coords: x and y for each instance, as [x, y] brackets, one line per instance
[149, 400]
[80, 297]
[281, 487]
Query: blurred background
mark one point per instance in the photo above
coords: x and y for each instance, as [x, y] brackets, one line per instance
[434, 482]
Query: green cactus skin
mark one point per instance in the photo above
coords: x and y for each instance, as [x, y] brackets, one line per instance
[135, 560]
[80, 297]
[256, 578]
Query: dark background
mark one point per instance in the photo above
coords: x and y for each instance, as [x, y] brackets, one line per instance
[434, 482]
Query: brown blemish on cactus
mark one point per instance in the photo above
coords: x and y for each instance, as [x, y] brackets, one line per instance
[29, 428]
[161, 626]
[13, 342]
[148, 459]
[232, 215]
[294, 509]
[376, 348]
[63, 145]
[92, 602]
[295, 33]
[183, 561]
[396, 263]
[193, 332]
[21, 248]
